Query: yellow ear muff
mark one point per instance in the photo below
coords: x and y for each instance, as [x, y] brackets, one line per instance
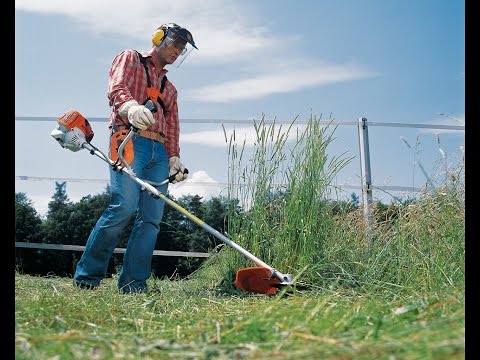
[157, 37]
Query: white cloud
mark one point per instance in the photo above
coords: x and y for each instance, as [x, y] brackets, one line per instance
[223, 30]
[198, 183]
[216, 138]
[277, 80]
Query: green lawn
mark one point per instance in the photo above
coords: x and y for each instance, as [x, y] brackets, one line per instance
[188, 319]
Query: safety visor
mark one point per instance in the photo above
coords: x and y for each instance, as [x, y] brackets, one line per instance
[181, 39]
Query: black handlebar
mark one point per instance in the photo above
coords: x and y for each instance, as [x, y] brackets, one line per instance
[150, 105]
[172, 177]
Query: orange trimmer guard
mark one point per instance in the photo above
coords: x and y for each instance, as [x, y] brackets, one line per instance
[256, 280]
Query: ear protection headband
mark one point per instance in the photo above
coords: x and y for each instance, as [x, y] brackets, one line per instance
[158, 36]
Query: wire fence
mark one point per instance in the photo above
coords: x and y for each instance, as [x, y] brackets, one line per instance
[246, 122]
[363, 186]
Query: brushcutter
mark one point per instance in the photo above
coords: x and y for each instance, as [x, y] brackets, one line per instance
[74, 132]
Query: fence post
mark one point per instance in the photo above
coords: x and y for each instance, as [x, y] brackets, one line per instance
[367, 196]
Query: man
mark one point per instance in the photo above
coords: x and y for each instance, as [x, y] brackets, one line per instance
[136, 79]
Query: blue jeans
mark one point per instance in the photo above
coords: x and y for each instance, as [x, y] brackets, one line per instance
[150, 163]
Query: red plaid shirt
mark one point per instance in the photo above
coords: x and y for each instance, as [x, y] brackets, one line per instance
[128, 81]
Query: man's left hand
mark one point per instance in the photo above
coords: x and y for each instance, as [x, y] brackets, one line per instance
[176, 168]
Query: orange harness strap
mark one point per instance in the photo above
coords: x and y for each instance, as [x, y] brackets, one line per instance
[153, 93]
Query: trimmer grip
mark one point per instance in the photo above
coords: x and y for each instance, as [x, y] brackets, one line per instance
[172, 177]
[150, 105]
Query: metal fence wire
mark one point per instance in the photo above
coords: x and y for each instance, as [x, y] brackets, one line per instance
[366, 186]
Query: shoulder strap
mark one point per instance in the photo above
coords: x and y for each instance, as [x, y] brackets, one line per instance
[144, 63]
[162, 86]
[149, 82]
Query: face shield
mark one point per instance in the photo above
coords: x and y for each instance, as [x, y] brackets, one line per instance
[180, 39]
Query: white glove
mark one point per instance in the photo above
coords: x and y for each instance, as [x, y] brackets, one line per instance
[175, 167]
[138, 115]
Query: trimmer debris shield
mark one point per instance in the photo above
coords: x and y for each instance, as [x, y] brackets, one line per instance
[256, 280]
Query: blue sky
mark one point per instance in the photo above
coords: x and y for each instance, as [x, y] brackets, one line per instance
[389, 61]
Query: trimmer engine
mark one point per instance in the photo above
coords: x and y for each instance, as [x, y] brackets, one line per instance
[72, 130]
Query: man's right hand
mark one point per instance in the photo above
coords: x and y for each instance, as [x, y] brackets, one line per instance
[138, 115]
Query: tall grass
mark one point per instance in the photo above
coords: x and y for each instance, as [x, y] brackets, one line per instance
[288, 220]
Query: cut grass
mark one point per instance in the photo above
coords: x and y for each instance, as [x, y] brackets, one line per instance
[186, 319]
